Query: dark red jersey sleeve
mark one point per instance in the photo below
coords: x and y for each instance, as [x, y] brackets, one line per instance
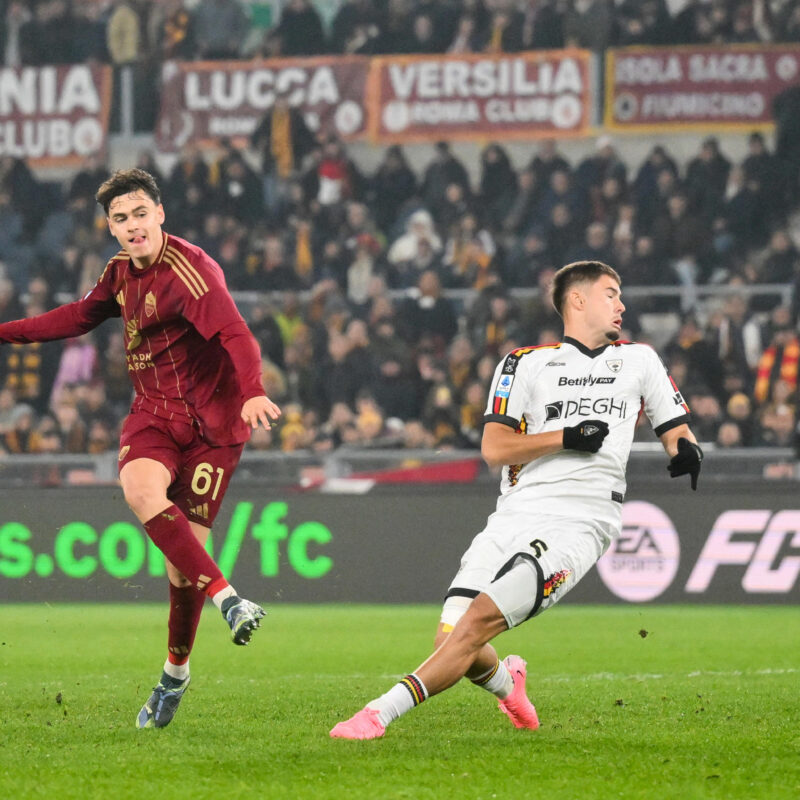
[214, 313]
[72, 319]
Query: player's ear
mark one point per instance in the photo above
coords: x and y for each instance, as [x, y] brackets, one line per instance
[160, 215]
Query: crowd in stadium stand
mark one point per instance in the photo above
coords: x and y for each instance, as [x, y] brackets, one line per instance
[127, 31]
[345, 278]
[346, 275]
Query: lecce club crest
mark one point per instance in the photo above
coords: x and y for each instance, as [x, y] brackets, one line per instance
[149, 304]
[614, 364]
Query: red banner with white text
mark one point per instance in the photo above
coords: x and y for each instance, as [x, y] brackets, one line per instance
[54, 115]
[504, 96]
[203, 102]
[701, 87]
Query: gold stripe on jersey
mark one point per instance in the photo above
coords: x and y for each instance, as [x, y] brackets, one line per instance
[163, 250]
[191, 269]
[193, 288]
[186, 272]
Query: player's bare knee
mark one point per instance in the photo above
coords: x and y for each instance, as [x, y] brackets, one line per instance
[141, 498]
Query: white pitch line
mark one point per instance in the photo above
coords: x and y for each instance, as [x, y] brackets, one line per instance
[543, 679]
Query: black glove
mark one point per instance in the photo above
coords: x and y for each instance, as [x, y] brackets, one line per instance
[586, 436]
[686, 461]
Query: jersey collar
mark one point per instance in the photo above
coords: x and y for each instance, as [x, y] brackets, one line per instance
[584, 349]
[159, 258]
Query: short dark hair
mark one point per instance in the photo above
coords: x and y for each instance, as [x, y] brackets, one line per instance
[578, 272]
[126, 181]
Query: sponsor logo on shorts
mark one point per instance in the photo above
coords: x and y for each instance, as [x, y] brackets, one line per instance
[555, 581]
[642, 563]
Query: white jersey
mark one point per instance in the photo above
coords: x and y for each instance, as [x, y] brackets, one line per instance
[550, 387]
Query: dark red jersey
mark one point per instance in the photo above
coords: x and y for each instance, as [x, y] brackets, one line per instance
[190, 354]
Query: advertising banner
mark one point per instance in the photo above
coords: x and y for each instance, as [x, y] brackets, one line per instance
[705, 86]
[202, 102]
[56, 115]
[400, 545]
[520, 95]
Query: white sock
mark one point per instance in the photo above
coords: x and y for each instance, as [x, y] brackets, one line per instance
[402, 697]
[497, 680]
[223, 594]
[178, 671]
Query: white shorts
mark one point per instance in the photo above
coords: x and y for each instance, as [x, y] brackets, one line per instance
[526, 562]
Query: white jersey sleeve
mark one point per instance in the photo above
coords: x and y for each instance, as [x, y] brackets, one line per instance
[663, 402]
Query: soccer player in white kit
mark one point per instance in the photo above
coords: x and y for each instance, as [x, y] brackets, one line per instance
[560, 421]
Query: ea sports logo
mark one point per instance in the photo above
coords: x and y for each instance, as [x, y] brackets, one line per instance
[643, 562]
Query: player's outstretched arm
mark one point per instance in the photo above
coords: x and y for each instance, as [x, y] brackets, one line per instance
[501, 445]
[686, 455]
[260, 410]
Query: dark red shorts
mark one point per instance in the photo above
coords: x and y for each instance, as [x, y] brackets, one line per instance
[200, 473]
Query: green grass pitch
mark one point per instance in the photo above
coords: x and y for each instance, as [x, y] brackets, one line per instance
[705, 705]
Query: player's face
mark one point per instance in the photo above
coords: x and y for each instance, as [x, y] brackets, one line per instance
[604, 308]
[135, 220]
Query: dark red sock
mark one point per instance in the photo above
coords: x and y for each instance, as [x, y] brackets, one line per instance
[173, 536]
[185, 607]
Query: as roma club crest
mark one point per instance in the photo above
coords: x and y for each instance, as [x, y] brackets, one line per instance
[149, 304]
[614, 364]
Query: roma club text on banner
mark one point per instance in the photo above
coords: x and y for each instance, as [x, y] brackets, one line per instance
[735, 85]
[56, 115]
[529, 95]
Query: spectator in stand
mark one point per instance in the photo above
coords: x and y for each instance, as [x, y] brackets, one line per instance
[545, 162]
[392, 186]
[79, 363]
[777, 418]
[423, 38]
[355, 27]
[439, 174]
[17, 439]
[642, 22]
[428, 319]
[594, 248]
[88, 33]
[543, 25]
[589, 24]
[562, 232]
[491, 331]
[498, 184]
[220, 27]
[562, 189]
[239, 192]
[595, 169]
[469, 254]
[467, 36]
[742, 214]
[762, 166]
[267, 267]
[170, 31]
[283, 141]
[707, 178]
[739, 410]
[18, 183]
[406, 250]
[529, 255]
[46, 38]
[505, 30]
[520, 211]
[738, 338]
[780, 359]
[780, 259]
[729, 435]
[300, 30]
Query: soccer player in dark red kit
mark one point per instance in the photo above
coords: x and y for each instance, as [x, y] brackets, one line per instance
[196, 372]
